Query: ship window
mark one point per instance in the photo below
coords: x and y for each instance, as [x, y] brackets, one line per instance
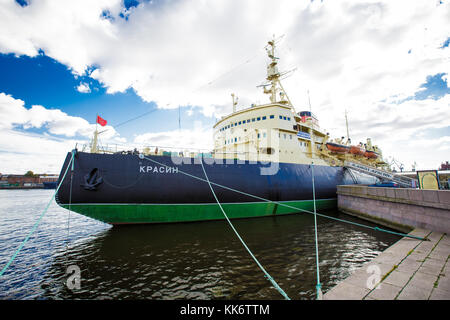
[284, 135]
[259, 118]
[248, 120]
[290, 136]
[231, 125]
[281, 117]
[239, 138]
[284, 118]
[235, 124]
[264, 135]
[289, 119]
[258, 135]
[268, 150]
[272, 116]
[243, 122]
[253, 120]
[235, 139]
[240, 122]
[264, 118]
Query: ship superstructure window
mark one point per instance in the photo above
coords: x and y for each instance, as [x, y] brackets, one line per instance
[284, 118]
[264, 118]
[289, 119]
[235, 124]
[258, 119]
[258, 135]
[264, 135]
[240, 122]
[253, 120]
[272, 116]
[243, 122]
[281, 117]
[248, 120]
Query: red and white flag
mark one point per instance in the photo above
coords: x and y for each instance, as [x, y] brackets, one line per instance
[101, 121]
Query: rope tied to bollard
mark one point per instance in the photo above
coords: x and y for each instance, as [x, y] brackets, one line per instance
[266, 274]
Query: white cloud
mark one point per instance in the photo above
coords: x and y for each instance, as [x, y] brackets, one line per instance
[349, 52]
[199, 138]
[21, 150]
[84, 88]
[13, 114]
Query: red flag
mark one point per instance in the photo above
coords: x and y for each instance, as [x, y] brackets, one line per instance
[101, 121]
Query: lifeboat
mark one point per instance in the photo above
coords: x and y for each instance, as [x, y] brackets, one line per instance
[357, 150]
[371, 154]
[337, 148]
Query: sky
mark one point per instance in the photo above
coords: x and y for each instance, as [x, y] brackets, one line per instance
[171, 66]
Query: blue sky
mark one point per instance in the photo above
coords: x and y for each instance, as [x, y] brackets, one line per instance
[64, 62]
[43, 81]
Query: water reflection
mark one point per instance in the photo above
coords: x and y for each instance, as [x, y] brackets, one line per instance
[206, 261]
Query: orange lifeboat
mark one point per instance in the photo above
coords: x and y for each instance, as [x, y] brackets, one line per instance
[357, 150]
[371, 154]
[337, 148]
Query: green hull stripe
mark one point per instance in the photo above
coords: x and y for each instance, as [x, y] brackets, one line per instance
[148, 213]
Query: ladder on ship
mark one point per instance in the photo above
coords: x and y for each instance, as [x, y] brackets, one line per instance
[405, 182]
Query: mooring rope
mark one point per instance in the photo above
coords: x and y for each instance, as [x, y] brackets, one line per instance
[38, 221]
[289, 206]
[318, 286]
[267, 275]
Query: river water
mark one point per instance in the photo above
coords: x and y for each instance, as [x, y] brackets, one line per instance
[202, 260]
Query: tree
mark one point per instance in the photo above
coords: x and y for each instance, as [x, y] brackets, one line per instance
[29, 174]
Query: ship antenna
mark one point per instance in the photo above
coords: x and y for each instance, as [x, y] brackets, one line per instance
[179, 118]
[346, 123]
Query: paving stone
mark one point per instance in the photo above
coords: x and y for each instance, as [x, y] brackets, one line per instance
[388, 258]
[409, 265]
[419, 232]
[346, 291]
[432, 266]
[437, 294]
[444, 283]
[397, 278]
[385, 291]
[435, 236]
[359, 279]
[401, 248]
[414, 293]
[438, 255]
[425, 247]
[445, 240]
[423, 281]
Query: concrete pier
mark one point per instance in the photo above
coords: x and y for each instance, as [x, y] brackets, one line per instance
[398, 208]
[408, 270]
[411, 269]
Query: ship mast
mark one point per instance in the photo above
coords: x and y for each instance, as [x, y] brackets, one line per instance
[273, 76]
